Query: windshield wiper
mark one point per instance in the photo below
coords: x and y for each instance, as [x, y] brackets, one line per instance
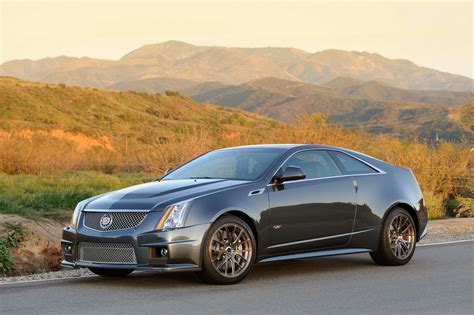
[204, 177]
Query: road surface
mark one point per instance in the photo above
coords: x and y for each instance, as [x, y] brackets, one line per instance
[438, 280]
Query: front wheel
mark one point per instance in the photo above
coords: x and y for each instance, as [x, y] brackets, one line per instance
[111, 273]
[398, 239]
[229, 251]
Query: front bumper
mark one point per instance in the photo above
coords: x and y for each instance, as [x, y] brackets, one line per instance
[183, 248]
[164, 268]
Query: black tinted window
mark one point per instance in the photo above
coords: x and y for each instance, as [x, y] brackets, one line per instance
[238, 164]
[314, 164]
[351, 165]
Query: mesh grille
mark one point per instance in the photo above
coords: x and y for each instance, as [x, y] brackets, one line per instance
[119, 220]
[113, 253]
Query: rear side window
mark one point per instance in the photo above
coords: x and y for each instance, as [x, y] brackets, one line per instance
[315, 164]
[351, 165]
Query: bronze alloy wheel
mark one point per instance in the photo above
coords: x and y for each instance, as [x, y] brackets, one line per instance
[230, 250]
[402, 236]
[398, 239]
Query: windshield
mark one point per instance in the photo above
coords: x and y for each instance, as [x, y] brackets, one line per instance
[236, 164]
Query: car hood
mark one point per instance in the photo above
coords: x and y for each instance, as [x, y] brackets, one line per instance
[156, 195]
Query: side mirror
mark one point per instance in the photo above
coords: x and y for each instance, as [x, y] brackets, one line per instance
[290, 173]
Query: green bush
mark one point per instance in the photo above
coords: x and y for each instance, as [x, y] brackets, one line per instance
[6, 263]
[15, 233]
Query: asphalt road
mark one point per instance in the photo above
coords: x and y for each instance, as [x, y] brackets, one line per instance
[438, 280]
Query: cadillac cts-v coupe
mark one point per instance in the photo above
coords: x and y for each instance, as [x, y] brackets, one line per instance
[226, 210]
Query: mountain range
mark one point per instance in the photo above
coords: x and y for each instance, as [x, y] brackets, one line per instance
[354, 89]
[233, 65]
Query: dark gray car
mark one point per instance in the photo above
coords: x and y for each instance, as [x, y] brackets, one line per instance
[228, 209]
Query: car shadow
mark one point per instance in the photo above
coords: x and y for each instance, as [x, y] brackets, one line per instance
[261, 273]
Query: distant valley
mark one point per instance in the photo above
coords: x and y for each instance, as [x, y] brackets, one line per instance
[370, 106]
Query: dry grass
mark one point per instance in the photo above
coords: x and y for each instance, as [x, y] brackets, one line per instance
[47, 129]
[436, 168]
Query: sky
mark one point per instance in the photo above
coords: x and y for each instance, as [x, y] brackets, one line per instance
[437, 35]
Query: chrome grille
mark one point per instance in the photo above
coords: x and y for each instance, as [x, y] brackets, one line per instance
[112, 253]
[120, 220]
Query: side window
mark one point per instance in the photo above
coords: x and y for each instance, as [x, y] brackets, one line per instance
[314, 164]
[351, 165]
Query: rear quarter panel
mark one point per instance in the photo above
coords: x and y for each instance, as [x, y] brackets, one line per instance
[378, 194]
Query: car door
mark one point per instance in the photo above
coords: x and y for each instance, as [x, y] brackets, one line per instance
[314, 212]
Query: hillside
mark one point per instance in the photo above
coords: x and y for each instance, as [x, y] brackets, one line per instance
[154, 85]
[382, 91]
[79, 142]
[378, 109]
[51, 125]
[234, 65]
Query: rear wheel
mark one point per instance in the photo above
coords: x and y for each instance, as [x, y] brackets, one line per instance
[111, 273]
[229, 251]
[398, 239]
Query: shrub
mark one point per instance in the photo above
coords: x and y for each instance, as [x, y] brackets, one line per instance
[15, 233]
[434, 204]
[6, 263]
[172, 93]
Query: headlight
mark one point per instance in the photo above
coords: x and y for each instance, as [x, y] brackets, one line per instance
[77, 212]
[173, 217]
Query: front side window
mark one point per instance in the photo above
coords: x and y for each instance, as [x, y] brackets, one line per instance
[235, 164]
[351, 165]
[315, 164]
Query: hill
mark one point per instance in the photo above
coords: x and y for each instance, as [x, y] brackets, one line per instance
[382, 91]
[70, 136]
[45, 125]
[234, 65]
[371, 106]
[154, 85]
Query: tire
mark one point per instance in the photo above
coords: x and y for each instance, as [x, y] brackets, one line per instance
[229, 251]
[397, 240]
[111, 273]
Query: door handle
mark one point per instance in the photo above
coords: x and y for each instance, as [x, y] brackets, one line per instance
[356, 185]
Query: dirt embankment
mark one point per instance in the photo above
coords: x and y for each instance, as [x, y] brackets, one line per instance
[40, 250]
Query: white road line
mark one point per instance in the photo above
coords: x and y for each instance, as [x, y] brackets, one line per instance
[444, 243]
[93, 276]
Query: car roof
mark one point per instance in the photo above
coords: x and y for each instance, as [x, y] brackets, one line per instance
[285, 146]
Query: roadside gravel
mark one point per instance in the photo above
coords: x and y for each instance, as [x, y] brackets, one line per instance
[449, 230]
[438, 231]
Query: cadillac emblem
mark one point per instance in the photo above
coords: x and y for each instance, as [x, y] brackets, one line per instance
[106, 221]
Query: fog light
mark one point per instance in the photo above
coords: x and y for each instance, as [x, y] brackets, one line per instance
[164, 252]
[68, 249]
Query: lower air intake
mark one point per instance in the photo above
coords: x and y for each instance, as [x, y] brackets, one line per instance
[110, 253]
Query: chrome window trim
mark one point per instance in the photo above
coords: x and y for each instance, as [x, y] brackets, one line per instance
[320, 178]
[319, 238]
[378, 170]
